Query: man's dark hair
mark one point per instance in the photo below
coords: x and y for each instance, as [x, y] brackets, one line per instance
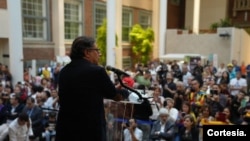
[31, 99]
[79, 45]
[23, 116]
[199, 80]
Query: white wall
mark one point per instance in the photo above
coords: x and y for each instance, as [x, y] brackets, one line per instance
[205, 44]
[211, 11]
[4, 49]
[4, 25]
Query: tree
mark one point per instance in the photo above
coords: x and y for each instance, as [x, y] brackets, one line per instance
[141, 41]
[101, 41]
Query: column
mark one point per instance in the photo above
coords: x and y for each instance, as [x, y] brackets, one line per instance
[111, 13]
[58, 26]
[162, 26]
[155, 26]
[118, 32]
[33, 68]
[196, 17]
[15, 40]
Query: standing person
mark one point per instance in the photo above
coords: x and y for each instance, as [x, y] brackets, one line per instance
[83, 77]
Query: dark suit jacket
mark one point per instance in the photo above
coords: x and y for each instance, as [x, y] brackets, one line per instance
[36, 117]
[168, 133]
[82, 87]
[192, 136]
[17, 110]
[3, 110]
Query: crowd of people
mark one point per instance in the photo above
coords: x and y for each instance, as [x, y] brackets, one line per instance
[181, 101]
[184, 98]
[28, 109]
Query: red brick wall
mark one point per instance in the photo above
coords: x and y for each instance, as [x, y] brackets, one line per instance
[88, 17]
[3, 4]
[126, 51]
[38, 53]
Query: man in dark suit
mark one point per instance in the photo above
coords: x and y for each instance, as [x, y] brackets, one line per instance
[83, 77]
[14, 108]
[35, 113]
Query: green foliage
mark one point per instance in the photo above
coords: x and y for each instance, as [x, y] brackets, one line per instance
[247, 30]
[101, 41]
[141, 41]
[222, 23]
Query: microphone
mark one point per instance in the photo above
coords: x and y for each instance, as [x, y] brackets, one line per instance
[117, 71]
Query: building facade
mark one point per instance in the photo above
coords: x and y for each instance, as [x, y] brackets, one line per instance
[42, 30]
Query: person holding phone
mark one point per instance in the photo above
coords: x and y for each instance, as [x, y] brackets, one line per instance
[216, 100]
[132, 132]
[224, 116]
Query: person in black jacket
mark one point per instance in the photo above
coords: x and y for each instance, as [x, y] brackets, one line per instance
[189, 132]
[83, 77]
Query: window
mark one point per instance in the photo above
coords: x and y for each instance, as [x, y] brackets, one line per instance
[126, 62]
[35, 19]
[73, 19]
[145, 19]
[126, 23]
[100, 15]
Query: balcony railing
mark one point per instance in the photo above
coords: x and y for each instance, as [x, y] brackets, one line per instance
[241, 5]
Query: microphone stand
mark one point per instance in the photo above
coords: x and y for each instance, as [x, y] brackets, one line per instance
[133, 90]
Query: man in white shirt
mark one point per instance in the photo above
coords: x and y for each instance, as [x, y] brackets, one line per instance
[132, 132]
[173, 112]
[20, 128]
[185, 75]
[237, 84]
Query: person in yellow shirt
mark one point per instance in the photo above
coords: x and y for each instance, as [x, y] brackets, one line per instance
[46, 72]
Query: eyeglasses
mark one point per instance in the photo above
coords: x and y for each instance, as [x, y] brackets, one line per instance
[95, 49]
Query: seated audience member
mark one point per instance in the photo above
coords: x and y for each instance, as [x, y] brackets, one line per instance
[245, 115]
[189, 132]
[132, 132]
[14, 108]
[2, 111]
[173, 112]
[224, 117]
[35, 113]
[163, 128]
[20, 128]
[204, 116]
[50, 127]
[156, 103]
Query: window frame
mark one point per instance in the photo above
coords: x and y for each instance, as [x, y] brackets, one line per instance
[129, 60]
[130, 12]
[45, 22]
[79, 22]
[103, 7]
[149, 15]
